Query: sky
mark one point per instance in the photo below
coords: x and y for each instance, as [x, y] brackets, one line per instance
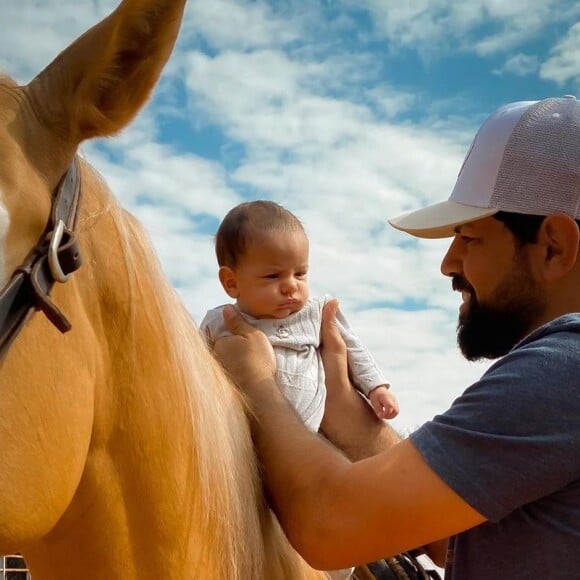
[347, 113]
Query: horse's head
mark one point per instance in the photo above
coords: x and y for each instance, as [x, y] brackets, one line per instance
[125, 450]
[48, 398]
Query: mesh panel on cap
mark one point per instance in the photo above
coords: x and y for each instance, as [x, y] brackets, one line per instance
[540, 170]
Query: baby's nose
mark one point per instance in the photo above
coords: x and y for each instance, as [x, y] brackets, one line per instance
[288, 286]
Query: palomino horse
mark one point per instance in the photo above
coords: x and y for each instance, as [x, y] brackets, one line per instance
[125, 450]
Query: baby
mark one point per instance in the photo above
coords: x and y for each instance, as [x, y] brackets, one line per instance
[262, 252]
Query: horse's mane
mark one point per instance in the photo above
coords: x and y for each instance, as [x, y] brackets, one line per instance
[241, 537]
[228, 485]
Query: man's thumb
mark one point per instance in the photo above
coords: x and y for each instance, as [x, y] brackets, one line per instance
[332, 341]
[235, 322]
[329, 331]
[329, 312]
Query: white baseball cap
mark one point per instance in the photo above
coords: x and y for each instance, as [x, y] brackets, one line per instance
[524, 159]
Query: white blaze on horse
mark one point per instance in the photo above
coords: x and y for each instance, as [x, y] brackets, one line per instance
[125, 450]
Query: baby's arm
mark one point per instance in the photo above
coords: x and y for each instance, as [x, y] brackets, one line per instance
[384, 403]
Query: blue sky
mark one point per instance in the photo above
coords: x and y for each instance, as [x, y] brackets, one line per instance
[347, 112]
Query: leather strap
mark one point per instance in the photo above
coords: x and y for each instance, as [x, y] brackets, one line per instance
[29, 287]
[400, 567]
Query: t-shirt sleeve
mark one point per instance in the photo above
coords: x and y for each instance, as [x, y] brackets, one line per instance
[513, 436]
[205, 327]
[213, 326]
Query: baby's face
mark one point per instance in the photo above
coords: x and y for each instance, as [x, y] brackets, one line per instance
[271, 276]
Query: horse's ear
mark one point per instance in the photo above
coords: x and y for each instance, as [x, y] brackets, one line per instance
[98, 84]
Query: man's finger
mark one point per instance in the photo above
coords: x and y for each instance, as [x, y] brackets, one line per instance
[330, 334]
[329, 311]
[235, 322]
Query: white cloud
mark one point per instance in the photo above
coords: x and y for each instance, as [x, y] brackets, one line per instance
[390, 101]
[564, 62]
[34, 32]
[426, 370]
[344, 170]
[231, 24]
[520, 65]
[481, 26]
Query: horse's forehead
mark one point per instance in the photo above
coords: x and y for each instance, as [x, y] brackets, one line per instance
[4, 226]
[6, 147]
[17, 175]
[11, 142]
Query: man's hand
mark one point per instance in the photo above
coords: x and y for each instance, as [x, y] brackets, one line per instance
[349, 421]
[333, 351]
[248, 355]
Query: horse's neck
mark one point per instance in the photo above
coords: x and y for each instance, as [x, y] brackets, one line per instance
[170, 473]
[135, 508]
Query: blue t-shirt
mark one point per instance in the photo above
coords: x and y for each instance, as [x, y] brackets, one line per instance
[510, 447]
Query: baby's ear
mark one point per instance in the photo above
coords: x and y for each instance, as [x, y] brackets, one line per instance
[228, 279]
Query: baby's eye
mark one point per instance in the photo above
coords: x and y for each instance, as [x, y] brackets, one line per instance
[301, 274]
[271, 276]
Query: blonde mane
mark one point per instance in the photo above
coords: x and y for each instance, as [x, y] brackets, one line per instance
[221, 436]
[227, 485]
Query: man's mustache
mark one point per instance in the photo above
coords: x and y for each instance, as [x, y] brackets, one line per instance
[460, 284]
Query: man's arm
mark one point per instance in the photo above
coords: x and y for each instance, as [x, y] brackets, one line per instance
[349, 422]
[336, 513]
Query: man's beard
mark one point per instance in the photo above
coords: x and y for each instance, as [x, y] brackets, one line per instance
[492, 329]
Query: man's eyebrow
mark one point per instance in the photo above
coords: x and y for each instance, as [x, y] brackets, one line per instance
[458, 229]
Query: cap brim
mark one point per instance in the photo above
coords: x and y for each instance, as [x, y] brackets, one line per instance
[440, 220]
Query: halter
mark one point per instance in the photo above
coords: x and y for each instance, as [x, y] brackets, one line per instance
[54, 258]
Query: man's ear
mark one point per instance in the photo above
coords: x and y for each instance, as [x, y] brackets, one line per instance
[559, 235]
[228, 279]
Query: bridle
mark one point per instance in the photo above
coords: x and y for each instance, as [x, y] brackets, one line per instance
[54, 258]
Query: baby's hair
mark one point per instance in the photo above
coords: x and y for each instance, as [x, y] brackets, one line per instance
[244, 222]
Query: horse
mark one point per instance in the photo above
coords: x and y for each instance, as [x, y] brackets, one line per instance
[126, 451]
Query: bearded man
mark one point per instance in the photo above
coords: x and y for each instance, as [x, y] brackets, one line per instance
[498, 474]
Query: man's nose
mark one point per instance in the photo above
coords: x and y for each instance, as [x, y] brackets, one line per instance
[451, 263]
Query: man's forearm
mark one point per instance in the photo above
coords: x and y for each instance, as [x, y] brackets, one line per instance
[336, 512]
[350, 424]
[277, 430]
[295, 461]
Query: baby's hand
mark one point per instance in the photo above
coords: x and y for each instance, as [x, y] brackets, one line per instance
[384, 402]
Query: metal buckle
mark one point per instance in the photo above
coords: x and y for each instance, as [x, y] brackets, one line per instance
[53, 262]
